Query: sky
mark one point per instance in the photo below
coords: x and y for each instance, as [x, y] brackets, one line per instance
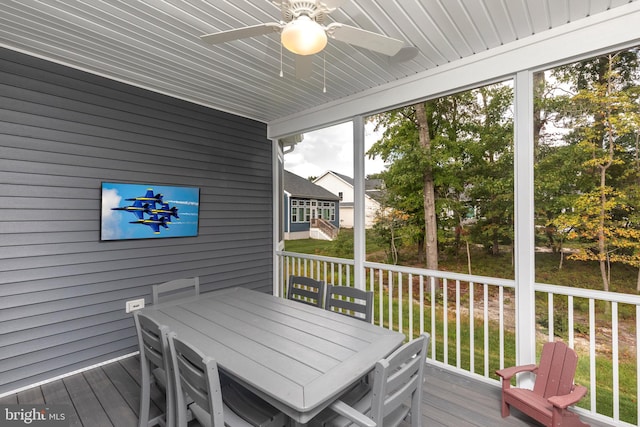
[331, 149]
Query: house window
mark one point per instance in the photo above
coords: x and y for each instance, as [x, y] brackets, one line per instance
[300, 210]
[328, 211]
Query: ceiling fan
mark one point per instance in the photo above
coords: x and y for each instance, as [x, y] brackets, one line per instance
[303, 33]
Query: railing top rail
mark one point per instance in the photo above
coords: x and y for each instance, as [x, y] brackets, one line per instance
[316, 257]
[588, 293]
[508, 283]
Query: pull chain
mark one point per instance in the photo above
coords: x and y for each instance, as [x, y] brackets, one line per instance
[281, 73]
[324, 72]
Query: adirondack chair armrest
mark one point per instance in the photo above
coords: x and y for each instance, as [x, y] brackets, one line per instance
[507, 373]
[567, 400]
[351, 413]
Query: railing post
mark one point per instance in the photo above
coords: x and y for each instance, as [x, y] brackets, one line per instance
[524, 222]
[359, 243]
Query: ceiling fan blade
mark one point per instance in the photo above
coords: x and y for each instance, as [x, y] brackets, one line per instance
[363, 38]
[241, 33]
[304, 66]
[405, 54]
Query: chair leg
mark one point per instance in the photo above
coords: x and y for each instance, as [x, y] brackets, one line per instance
[506, 385]
[505, 408]
[145, 394]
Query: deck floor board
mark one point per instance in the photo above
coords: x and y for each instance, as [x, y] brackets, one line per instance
[110, 396]
[56, 393]
[85, 402]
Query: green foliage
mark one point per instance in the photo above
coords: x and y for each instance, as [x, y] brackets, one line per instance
[342, 245]
[587, 180]
[470, 158]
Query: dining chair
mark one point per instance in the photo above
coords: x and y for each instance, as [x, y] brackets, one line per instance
[306, 290]
[175, 289]
[197, 377]
[154, 362]
[350, 301]
[397, 380]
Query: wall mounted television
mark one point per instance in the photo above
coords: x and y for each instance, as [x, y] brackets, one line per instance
[141, 211]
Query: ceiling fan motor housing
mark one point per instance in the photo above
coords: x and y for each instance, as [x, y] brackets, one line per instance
[293, 9]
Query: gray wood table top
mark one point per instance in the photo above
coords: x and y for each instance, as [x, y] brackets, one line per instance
[297, 357]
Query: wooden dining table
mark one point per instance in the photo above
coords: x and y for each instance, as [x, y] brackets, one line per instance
[297, 357]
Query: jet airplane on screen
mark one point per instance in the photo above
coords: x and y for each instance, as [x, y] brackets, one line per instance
[150, 197]
[154, 222]
[137, 208]
[166, 211]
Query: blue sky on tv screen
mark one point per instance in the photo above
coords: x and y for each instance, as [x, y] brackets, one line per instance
[138, 211]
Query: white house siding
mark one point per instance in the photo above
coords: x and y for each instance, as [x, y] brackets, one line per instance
[337, 185]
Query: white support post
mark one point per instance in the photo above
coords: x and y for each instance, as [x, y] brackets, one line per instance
[524, 222]
[277, 158]
[359, 237]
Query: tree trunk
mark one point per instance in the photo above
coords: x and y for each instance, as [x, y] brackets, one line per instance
[394, 250]
[602, 244]
[602, 238]
[539, 119]
[430, 225]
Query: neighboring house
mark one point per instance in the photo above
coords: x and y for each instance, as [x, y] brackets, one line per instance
[304, 204]
[342, 185]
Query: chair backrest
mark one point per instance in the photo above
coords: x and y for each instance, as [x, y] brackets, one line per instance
[152, 340]
[153, 343]
[557, 367]
[350, 301]
[176, 289]
[306, 290]
[398, 379]
[196, 376]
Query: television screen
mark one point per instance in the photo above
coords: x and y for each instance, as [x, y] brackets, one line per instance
[138, 211]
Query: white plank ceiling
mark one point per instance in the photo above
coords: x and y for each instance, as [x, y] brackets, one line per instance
[155, 44]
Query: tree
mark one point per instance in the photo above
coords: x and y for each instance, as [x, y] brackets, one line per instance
[403, 178]
[448, 157]
[389, 226]
[604, 112]
[491, 166]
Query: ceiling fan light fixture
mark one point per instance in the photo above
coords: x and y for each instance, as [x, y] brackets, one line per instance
[304, 36]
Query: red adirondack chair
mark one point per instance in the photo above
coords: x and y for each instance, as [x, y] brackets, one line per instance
[553, 391]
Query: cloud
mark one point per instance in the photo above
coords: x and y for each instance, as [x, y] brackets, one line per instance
[331, 149]
[110, 221]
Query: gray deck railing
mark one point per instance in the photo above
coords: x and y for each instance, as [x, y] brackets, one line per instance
[603, 327]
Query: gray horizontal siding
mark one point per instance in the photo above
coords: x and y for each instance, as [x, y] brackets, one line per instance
[63, 132]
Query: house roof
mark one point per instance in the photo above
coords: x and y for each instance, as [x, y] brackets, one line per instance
[297, 186]
[372, 187]
[155, 44]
